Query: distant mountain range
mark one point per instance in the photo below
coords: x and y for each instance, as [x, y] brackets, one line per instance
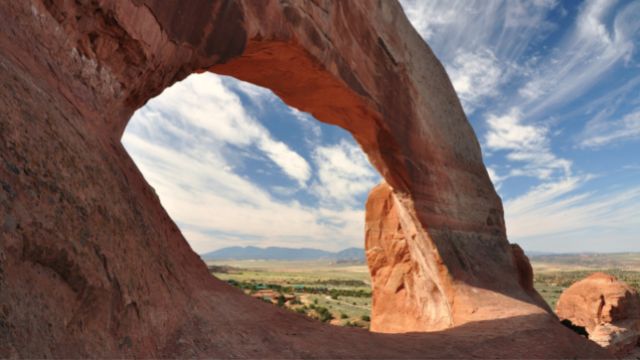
[539, 253]
[282, 253]
[300, 254]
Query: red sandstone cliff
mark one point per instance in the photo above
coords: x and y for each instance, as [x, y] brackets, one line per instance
[92, 266]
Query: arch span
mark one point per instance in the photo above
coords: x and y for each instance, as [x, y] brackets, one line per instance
[93, 266]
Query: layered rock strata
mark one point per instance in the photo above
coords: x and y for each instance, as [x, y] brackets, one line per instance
[92, 266]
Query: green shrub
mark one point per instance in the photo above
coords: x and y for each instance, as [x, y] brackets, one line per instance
[323, 313]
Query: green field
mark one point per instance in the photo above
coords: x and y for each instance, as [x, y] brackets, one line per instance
[336, 293]
[297, 272]
[341, 293]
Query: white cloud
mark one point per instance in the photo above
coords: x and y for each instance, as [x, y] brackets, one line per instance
[486, 48]
[558, 210]
[344, 173]
[475, 76]
[430, 16]
[533, 89]
[190, 143]
[503, 27]
[259, 96]
[601, 131]
[588, 52]
[497, 57]
[203, 101]
[519, 14]
[528, 146]
[508, 133]
[289, 161]
[495, 178]
[205, 196]
[310, 124]
[480, 42]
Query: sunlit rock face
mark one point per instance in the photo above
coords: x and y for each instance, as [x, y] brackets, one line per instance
[92, 266]
[607, 308]
[404, 299]
[413, 289]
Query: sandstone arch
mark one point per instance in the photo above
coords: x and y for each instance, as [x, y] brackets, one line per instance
[93, 266]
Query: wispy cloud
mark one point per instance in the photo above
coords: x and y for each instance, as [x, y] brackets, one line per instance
[202, 105]
[191, 142]
[585, 54]
[505, 27]
[601, 131]
[516, 71]
[481, 43]
[559, 215]
[344, 174]
[526, 145]
[310, 124]
[476, 76]
[535, 77]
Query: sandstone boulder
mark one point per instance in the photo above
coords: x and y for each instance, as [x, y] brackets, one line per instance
[607, 308]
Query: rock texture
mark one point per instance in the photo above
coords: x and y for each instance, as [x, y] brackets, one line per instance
[92, 266]
[404, 299]
[413, 288]
[608, 308]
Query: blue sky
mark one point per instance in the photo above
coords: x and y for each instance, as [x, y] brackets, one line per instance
[551, 89]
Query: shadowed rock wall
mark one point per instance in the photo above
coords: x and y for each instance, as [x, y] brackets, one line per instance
[92, 266]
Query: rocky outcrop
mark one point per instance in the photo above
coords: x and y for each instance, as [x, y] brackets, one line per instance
[92, 266]
[405, 299]
[414, 294]
[607, 308]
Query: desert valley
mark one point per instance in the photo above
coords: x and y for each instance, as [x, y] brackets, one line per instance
[334, 288]
[319, 179]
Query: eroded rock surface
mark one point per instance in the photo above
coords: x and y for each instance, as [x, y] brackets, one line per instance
[92, 266]
[607, 308]
[404, 299]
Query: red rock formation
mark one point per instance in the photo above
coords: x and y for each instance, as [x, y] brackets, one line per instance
[92, 266]
[404, 299]
[410, 297]
[608, 308]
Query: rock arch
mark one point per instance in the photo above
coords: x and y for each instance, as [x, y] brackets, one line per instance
[93, 266]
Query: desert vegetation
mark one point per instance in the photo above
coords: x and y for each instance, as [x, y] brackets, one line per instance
[340, 293]
[336, 293]
[552, 283]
